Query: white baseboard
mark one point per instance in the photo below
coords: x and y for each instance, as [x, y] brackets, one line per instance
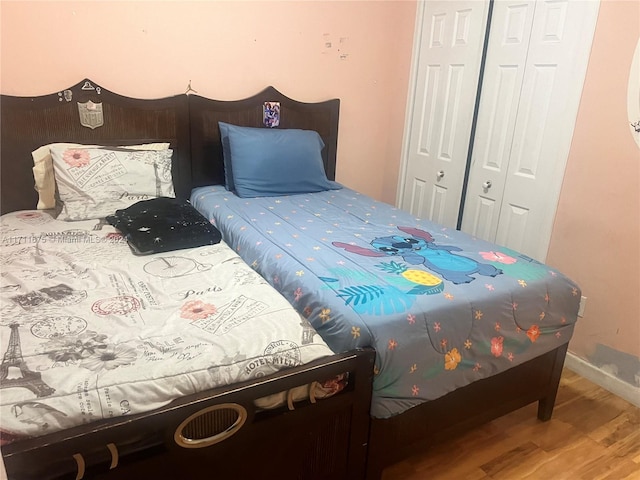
[603, 379]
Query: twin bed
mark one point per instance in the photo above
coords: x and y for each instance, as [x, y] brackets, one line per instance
[462, 331]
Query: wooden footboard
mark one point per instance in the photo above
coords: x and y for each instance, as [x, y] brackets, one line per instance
[325, 439]
[416, 429]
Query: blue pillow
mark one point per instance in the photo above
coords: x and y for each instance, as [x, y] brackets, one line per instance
[268, 162]
[226, 155]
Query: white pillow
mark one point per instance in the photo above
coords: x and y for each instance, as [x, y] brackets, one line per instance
[95, 182]
[45, 183]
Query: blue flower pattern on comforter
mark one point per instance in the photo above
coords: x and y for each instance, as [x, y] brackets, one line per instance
[441, 308]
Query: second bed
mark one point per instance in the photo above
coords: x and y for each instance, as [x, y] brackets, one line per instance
[464, 330]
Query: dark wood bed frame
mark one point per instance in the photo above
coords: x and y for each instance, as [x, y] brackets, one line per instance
[325, 439]
[190, 123]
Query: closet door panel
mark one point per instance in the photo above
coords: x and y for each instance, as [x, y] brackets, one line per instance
[536, 59]
[446, 80]
[535, 65]
[514, 221]
[556, 63]
[501, 88]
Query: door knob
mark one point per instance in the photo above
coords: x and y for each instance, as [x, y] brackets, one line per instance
[487, 185]
[440, 174]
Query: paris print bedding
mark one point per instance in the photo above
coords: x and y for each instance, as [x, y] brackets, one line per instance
[441, 308]
[90, 331]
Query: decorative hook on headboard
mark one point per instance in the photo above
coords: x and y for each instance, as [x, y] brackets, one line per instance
[88, 86]
[189, 89]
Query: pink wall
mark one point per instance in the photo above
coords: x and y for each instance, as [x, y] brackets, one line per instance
[230, 50]
[596, 237]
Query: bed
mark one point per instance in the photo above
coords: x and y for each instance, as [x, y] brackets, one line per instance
[464, 330]
[124, 359]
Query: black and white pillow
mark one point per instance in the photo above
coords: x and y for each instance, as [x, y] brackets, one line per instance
[95, 182]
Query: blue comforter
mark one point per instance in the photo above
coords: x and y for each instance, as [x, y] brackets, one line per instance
[441, 308]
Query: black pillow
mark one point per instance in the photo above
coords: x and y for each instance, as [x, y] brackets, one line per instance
[163, 224]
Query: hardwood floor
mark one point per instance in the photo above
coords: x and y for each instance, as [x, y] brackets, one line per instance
[593, 435]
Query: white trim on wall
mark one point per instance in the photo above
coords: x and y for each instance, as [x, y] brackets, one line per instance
[603, 379]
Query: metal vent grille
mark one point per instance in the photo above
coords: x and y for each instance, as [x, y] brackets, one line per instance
[210, 425]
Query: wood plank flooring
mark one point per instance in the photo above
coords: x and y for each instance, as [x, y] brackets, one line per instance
[593, 435]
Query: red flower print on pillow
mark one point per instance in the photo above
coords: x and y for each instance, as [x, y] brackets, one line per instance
[76, 158]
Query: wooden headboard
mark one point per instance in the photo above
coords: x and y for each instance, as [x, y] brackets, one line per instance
[30, 122]
[188, 122]
[207, 166]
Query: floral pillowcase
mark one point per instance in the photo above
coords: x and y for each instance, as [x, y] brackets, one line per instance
[45, 182]
[95, 182]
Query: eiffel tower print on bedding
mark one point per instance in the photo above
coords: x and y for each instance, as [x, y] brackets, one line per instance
[90, 331]
[13, 360]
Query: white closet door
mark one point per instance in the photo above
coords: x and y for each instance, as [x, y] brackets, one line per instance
[518, 209]
[450, 41]
[502, 84]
